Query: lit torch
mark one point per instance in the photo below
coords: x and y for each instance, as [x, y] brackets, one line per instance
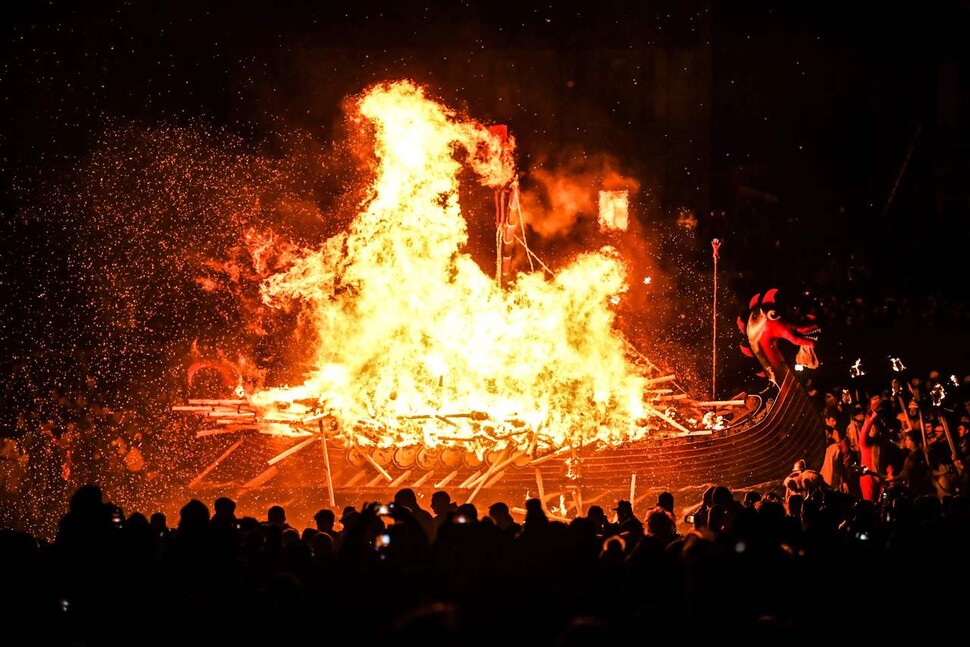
[856, 369]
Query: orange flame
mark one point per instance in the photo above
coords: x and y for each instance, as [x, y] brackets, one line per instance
[417, 345]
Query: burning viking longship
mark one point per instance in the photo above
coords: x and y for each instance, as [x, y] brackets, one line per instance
[431, 374]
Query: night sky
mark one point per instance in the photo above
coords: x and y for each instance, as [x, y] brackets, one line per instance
[828, 150]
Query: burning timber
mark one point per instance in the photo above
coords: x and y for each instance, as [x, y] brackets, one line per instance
[763, 435]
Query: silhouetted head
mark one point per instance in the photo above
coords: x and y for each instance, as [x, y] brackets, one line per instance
[660, 523]
[325, 518]
[407, 498]
[291, 537]
[322, 545]
[623, 509]
[534, 512]
[499, 510]
[308, 534]
[276, 515]
[88, 499]
[159, 521]
[348, 515]
[708, 497]
[722, 496]
[666, 501]
[441, 502]
[224, 507]
[194, 515]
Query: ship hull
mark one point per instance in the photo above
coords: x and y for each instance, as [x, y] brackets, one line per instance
[756, 454]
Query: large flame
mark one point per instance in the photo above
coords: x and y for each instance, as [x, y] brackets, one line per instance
[417, 344]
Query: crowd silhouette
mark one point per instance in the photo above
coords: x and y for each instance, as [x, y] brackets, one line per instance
[757, 565]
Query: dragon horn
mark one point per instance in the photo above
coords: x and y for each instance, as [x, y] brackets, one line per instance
[754, 301]
[769, 296]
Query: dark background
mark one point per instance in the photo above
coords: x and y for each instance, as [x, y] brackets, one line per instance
[826, 144]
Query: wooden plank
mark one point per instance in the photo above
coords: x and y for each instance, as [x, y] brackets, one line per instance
[225, 413]
[356, 477]
[424, 477]
[495, 479]
[670, 420]
[467, 482]
[374, 481]
[260, 479]
[396, 482]
[215, 463]
[292, 450]
[443, 482]
[202, 433]
[545, 457]
[383, 472]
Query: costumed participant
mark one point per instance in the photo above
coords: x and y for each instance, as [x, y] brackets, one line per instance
[803, 481]
[871, 437]
[833, 464]
[915, 475]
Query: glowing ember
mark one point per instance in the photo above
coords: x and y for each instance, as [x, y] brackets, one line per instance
[415, 344]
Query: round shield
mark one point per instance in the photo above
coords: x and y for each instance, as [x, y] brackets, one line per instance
[451, 457]
[404, 457]
[427, 458]
[383, 456]
[355, 456]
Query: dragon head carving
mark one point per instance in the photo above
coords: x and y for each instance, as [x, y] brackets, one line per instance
[765, 326]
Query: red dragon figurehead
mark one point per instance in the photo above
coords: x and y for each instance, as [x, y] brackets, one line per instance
[765, 326]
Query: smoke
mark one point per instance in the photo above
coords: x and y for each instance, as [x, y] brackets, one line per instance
[666, 303]
[562, 191]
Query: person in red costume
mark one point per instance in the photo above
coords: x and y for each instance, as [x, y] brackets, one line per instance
[873, 434]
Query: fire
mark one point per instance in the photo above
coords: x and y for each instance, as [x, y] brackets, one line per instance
[416, 344]
[614, 210]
